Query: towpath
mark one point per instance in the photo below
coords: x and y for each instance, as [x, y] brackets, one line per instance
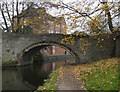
[67, 81]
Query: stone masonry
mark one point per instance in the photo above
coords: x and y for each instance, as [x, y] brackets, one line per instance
[22, 47]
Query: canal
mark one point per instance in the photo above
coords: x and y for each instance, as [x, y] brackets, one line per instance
[28, 77]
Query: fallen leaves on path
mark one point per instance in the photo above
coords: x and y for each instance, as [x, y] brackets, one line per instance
[82, 72]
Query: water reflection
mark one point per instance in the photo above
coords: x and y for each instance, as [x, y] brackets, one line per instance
[29, 77]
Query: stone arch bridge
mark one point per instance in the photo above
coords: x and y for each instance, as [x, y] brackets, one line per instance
[21, 47]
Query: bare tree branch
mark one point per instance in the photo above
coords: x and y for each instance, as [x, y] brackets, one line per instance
[18, 19]
[6, 5]
[4, 18]
[12, 25]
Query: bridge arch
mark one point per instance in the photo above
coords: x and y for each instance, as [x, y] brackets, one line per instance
[28, 53]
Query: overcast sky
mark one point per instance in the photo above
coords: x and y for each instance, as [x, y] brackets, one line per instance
[55, 12]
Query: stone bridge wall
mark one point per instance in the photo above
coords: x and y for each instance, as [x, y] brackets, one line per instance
[15, 45]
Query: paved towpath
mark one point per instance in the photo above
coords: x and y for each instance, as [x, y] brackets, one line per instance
[67, 81]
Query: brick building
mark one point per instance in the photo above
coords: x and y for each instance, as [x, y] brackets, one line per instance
[38, 21]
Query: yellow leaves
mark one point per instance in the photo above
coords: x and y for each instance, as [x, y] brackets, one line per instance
[38, 10]
[102, 39]
[115, 28]
[65, 32]
[83, 45]
[77, 17]
[97, 70]
[115, 8]
[98, 39]
[81, 39]
[68, 40]
[28, 22]
[104, 6]
[86, 8]
[68, 14]
[114, 38]
[99, 32]
[68, 18]
[16, 27]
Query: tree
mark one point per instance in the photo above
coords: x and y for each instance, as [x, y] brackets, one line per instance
[14, 19]
[92, 13]
[92, 16]
[4, 18]
[95, 17]
[8, 15]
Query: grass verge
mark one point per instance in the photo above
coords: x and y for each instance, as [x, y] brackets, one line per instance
[101, 75]
[50, 83]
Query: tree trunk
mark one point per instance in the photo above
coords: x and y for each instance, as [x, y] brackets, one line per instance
[109, 17]
[8, 13]
[5, 20]
[18, 19]
[12, 25]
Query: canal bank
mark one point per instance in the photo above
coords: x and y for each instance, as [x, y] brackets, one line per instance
[101, 75]
[62, 79]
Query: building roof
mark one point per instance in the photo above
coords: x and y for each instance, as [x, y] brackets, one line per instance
[31, 11]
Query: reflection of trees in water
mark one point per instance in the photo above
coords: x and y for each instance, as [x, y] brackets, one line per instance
[34, 74]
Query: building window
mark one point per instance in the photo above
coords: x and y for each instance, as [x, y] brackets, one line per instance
[53, 50]
[43, 30]
[24, 21]
[51, 30]
[53, 66]
[22, 27]
[56, 31]
[44, 21]
[52, 23]
[48, 25]
[49, 21]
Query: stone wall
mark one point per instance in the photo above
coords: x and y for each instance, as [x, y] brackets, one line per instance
[117, 53]
[17, 47]
[0, 47]
[98, 50]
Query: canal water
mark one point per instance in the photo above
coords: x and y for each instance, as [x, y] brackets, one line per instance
[28, 77]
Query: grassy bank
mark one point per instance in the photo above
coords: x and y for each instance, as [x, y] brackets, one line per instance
[50, 83]
[101, 75]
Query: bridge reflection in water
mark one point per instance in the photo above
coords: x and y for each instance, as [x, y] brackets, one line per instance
[28, 77]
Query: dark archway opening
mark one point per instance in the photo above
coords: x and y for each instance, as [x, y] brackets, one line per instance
[30, 52]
